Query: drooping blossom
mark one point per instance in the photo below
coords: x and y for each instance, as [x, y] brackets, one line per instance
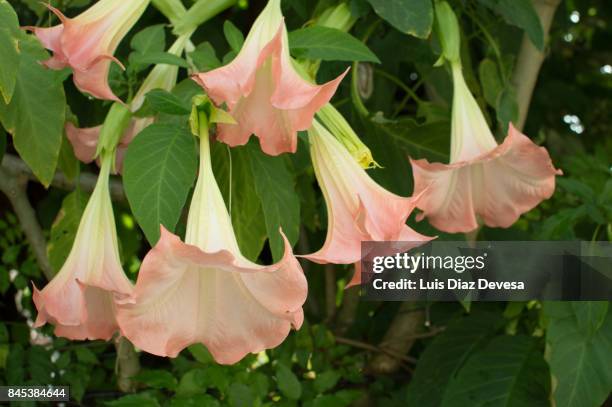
[79, 299]
[87, 42]
[358, 209]
[205, 291]
[484, 182]
[263, 91]
[85, 140]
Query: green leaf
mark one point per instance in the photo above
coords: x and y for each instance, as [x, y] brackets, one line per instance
[85, 355]
[233, 36]
[590, 315]
[288, 383]
[9, 49]
[275, 187]
[507, 107]
[150, 39]
[392, 142]
[63, 230]
[329, 44]
[520, 13]
[445, 355]
[192, 382]
[200, 353]
[67, 163]
[159, 57]
[491, 82]
[157, 379]
[326, 381]
[204, 57]
[159, 170]
[35, 114]
[163, 101]
[509, 371]
[240, 197]
[241, 395]
[134, 400]
[579, 360]
[414, 17]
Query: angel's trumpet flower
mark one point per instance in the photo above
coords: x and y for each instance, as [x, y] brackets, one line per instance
[263, 91]
[205, 291]
[79, 299]
[484, 182]
[85, 140]
[87, 42]
[358, 209]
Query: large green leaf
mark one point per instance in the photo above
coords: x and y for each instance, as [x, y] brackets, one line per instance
[414, 17]
[329, 44]
[237, 184]
[35, 114]
[159, 170]
[509, 372]
[521, 14]
[393, 142]
[288, 383]
[9, 49]
[150, 39]
[275, 187]
[65, 227]
[446, 354]
[579, 358]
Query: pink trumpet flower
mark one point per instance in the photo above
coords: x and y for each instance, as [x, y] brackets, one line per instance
[358, 209]
[263, 91]
[86, 43]
[79, 299]
[205, 291]
[484, 182]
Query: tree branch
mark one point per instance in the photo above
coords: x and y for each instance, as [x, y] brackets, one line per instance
[399, 338]
[530, 60]
[87, 181]
[14, 187]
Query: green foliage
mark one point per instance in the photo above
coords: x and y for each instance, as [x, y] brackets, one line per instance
[521, 14]
[275, 187]
[9, 48]
[414, 17]
[508, 371]
[64, 229]
[580, 340]
[329, 44]
[160, 169]
[35, 113]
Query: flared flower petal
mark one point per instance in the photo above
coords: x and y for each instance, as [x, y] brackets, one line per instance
[86, 43]
[79, 299]
[205, 291]
[484, 182]
[358, 209]
[263, 91]
[496, 187]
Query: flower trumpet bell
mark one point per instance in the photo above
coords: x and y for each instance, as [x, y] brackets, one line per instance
[205, 291]
[263, 91]
[484, 182]
[86, 43]
[358, 209]
[79, 299]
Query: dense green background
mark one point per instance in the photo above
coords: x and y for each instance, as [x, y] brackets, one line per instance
[497, 354]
